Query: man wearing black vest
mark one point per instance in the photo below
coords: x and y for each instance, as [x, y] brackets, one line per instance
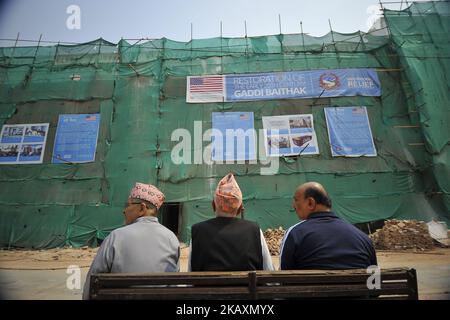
[228, 243]
[322, 240]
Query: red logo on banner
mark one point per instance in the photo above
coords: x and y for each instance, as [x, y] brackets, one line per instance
[329, 81]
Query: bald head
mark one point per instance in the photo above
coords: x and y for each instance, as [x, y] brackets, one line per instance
[315, 190]
[311, 197]
[311, 185]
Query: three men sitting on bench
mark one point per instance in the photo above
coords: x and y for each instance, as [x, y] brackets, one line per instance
[225, 243]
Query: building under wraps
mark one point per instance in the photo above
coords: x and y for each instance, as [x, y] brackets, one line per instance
[139, 89]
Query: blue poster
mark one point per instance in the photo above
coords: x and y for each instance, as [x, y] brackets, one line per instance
[349, 132]
[233, 137]
[302, 84]
[76, 138]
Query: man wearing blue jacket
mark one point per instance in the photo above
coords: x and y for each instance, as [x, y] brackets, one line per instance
[321, 240]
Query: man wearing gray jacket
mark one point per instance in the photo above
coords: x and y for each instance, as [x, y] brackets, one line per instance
[143, 245]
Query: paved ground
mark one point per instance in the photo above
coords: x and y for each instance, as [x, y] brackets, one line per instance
[42, 274]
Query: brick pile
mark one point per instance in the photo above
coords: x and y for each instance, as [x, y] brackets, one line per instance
[273, 239]
[403, 234]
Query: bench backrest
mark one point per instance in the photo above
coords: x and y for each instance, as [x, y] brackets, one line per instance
[298, 284]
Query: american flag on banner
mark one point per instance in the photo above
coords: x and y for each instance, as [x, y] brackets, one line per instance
[205, 89]
[359, 110]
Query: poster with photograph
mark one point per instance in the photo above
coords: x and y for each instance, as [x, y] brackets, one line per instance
[349, 132]
[290, 135]
[76, 138]
[23, 143]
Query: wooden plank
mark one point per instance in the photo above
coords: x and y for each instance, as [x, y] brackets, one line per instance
[168, 278]
[327, 279]
[332, 287]
[329, 291]
[337, 274]
[175, 274]
[111, 283]
[178, 293]
[182, 290]
[347, 276]
[394, 297]
[242, 293]
[393, 274]
[330, 272]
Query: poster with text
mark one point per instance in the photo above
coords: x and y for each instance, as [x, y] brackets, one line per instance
[283, 85]
[233, 137]
[349, 132]
[23, 143]
[290, 135]
[76, 138]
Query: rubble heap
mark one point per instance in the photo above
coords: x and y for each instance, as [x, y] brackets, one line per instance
[403, 234]
[273, 239]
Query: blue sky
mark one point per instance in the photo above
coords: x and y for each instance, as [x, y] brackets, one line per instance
[112, 20]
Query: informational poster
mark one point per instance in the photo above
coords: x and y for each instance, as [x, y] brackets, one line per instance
[349, 132]
[23, 143]
[290, 135]
[76, 138]
[233, 137]
[283, 85]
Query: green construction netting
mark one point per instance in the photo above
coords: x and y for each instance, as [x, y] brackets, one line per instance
[420, 35]
[140, 91]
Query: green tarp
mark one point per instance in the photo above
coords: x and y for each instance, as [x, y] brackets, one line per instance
[140, 91]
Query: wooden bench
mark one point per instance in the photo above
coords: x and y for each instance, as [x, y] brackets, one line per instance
[298, 284]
